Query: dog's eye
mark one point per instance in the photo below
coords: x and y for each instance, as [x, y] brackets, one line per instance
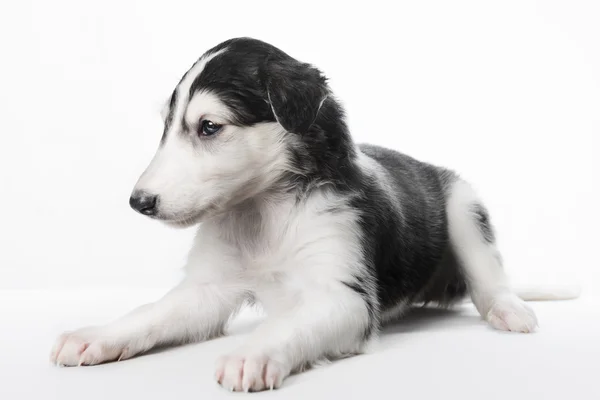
[208, 128]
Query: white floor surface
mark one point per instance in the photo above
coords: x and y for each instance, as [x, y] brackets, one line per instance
[431, 354]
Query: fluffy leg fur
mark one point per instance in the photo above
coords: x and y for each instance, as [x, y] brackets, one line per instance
[325, 323]
[197, 309]
[472, 239]
[183, 315]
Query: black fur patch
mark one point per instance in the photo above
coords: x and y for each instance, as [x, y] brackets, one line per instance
[483, 222]
[296, 92]
[405, 237]
[259, 82]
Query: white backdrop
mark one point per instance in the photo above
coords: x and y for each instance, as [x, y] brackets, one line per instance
[507, 93]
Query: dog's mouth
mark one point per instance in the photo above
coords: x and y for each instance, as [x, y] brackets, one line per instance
[186, 219]
[180, 221]
[189, 219]
[183, 222]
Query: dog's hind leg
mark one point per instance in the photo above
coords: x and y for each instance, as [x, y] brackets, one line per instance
[473, 242]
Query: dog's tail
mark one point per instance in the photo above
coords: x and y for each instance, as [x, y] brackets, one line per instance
[548, 293]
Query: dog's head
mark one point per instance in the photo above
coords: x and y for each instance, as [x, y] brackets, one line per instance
[227, 130]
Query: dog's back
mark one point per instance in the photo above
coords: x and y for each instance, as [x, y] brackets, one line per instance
[409, 236]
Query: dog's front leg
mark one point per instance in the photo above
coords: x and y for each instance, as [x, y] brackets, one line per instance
[190, 312]
[315, 323]
[195, 310]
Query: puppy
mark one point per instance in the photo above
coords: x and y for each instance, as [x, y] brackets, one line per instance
[331, 238]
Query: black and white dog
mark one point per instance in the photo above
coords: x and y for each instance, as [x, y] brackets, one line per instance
[332, 239]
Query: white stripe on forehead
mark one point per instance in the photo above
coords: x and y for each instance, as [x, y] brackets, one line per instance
[183, 89]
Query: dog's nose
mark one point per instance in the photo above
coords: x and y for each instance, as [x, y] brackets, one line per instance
[143, 203]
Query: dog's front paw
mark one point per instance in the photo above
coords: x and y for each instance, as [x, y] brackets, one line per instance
[89, 346]
[509, 313]
[250, 373]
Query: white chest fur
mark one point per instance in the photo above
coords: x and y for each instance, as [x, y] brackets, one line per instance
[284, 246]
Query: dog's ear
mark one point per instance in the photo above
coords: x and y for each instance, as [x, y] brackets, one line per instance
[296, 92]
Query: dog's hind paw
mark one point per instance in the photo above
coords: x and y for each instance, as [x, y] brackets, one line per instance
[509, 313]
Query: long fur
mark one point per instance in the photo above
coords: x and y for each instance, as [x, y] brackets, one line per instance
[331, 238]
